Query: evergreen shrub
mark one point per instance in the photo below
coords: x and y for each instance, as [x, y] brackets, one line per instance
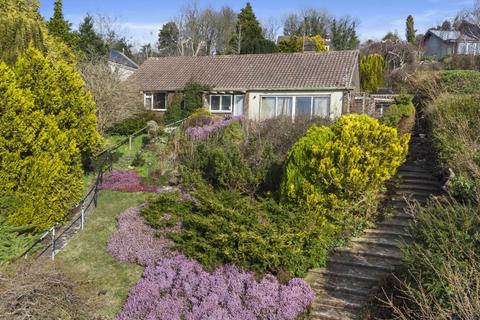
[224, 226]
[454, 120]
[443, 277]
[41, 174]
[338, 171]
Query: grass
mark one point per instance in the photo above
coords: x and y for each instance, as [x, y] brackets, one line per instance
[86, 254]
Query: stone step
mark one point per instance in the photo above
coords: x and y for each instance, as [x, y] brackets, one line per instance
[371, 262]
[346, 288]
[372, 250]
[416, 175]
[363, 272]
[404, 204]
[413, 168]
[401, 232]
[339, 282]
[329, 313]
[385, 241]
[338, 299]
[393, 229]
[413, 193]
[413, 187]
[402, 223]
[422, 199]
[423, 182]
[325, 273]
[402, 213]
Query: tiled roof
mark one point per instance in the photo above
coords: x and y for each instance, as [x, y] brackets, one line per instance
[446, 35]
[335, 69]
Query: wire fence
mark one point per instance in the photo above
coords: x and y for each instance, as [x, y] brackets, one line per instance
[53, 240]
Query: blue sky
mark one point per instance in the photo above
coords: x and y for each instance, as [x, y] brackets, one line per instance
[140, 20]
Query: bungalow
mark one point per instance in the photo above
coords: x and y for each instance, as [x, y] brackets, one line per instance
[260, 86]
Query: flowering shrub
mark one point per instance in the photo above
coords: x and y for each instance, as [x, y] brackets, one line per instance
[126, 181]
[175, 287]
[203, 132]
[135, 241]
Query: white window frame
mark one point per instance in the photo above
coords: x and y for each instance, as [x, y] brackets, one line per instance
[294, 102]
[147, 95]
[232, 97]
[151, 95]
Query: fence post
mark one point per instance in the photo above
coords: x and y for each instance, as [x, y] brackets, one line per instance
[83, 214]
[130, 142]
[95, 196]
[363, 103]
[53, 243]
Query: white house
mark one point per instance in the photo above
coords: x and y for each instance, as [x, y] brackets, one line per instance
[257, 86]
[439, 43]
[121, 64]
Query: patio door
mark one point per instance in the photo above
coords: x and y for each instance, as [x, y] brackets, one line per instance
[239, 102]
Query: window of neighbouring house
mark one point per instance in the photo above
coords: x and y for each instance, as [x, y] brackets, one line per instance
[221, 103]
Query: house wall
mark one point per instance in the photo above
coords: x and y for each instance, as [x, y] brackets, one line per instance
[252, 102]
[123, 72]
[435, 46]
[468, 47]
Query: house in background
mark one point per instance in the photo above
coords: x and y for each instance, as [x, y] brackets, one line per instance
[257, 86]
[440, 43]
[121, 64]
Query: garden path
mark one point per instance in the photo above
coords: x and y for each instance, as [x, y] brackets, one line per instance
[354, 273]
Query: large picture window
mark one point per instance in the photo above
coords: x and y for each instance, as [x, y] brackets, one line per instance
[295, 107]
[155, 100]
[273, 107]
[221, 103]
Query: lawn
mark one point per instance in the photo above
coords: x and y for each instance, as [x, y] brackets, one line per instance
[86, 254]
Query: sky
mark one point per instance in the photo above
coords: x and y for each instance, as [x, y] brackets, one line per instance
[140, 20]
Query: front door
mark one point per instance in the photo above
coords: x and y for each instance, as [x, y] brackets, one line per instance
[238, 106]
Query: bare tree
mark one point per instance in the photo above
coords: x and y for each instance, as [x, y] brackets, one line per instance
[115, 100]
[309, 22]
[271, 28]
[204, 31]
[226, 21]
[467, 21]
[396, 54]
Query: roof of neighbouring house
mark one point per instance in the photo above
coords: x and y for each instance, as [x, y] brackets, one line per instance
[446, 35]
[118, 57]
[335, 69]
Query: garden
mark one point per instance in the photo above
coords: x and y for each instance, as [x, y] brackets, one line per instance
[252, 207]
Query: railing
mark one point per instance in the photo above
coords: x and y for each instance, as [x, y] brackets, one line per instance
[85, 206]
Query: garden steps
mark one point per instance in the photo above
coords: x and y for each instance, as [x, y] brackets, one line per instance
[417, 175]
[355, 272]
